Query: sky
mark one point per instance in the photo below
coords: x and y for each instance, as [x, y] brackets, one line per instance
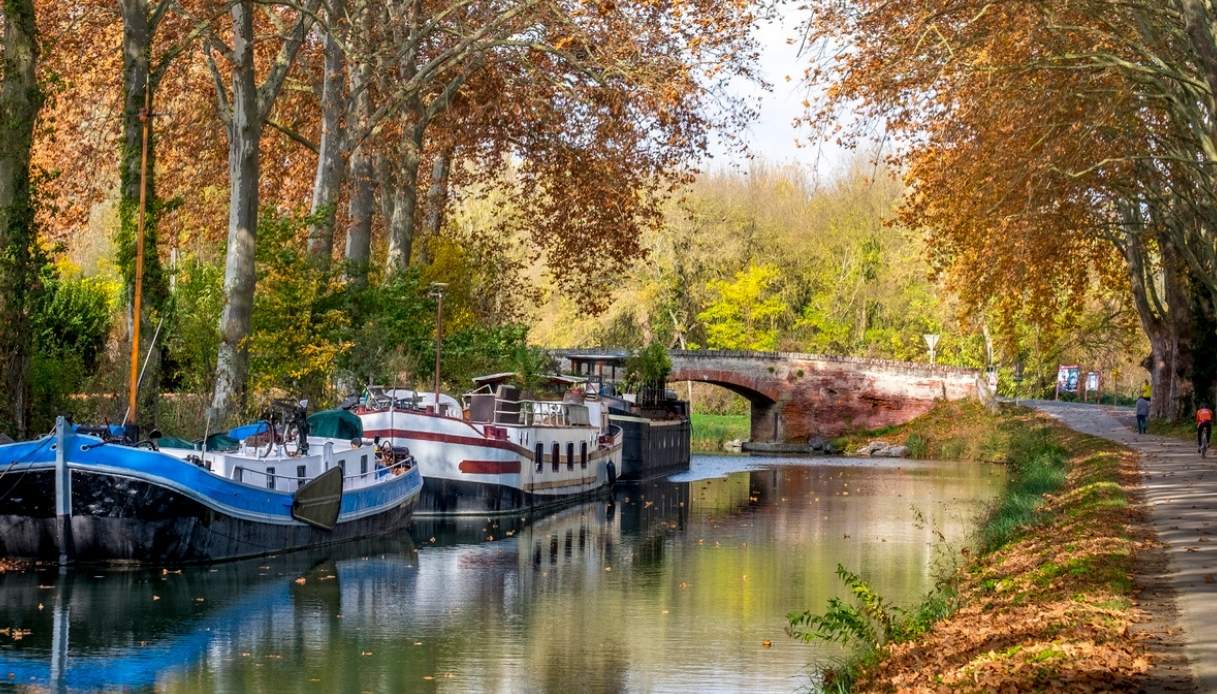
[772, 136]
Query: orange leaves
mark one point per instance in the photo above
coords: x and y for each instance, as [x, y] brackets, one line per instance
[1051, 611]
[991, 140]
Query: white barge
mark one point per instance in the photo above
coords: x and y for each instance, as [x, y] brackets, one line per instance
[500, 453]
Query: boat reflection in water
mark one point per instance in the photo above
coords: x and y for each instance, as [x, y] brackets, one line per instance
[666, 586]
[133, 628]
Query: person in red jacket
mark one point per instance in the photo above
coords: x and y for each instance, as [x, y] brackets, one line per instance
[1204, 425]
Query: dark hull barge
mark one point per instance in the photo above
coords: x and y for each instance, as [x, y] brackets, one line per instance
[74, 497]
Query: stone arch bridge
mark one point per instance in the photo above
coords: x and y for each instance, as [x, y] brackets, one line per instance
[796, 396]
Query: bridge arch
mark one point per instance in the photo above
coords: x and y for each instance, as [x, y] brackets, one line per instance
[763, 399]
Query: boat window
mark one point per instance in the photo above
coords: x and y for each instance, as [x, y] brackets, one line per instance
[583, 455]
[300, 472]
[570, 455]
[557, 455]
[540, 457]
[270, 478]
[363, 464]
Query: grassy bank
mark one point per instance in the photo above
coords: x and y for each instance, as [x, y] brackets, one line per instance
[1185, 430]
[710, 431]
[1043, 600]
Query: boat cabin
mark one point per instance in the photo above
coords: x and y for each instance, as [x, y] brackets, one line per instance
[260, 458]
[559, 401]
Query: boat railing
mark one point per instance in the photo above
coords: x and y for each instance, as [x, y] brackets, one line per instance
[543, 413]
[270, 480]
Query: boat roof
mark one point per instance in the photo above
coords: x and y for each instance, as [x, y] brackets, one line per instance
[423, 397]
[606, 358]
[507, 375]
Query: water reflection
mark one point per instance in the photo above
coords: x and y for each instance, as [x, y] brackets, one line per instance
[669, 586]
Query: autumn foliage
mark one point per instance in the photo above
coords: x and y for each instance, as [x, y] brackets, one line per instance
[379, 118]
[1057, 152]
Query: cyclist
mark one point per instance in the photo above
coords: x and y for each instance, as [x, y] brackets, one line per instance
[1204, 425]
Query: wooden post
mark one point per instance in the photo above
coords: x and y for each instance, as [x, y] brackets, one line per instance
[63, 493]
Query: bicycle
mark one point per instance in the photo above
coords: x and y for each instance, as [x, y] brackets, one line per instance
[287, 427]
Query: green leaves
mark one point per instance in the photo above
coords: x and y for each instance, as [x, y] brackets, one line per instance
[649, 366]
[73, 315]
[744, 311]
[870, 621]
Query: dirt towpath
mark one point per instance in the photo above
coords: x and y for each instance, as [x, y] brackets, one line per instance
[1180, 491]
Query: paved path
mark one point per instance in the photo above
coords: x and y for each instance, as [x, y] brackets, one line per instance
[1181, 493]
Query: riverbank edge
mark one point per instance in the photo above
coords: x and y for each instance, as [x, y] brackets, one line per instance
[1050, 599]
[709, 431]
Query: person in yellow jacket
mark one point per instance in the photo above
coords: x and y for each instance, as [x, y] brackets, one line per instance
[1145, 390]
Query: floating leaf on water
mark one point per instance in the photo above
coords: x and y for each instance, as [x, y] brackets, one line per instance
[301, 581]
[766, 643]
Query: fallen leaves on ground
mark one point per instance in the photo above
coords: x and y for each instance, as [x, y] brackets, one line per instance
[1050, 611]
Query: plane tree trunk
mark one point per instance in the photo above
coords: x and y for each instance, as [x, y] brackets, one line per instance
[331, 150]
[244, 137]
[20, 101]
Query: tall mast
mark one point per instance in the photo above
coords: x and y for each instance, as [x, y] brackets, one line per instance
[138, 299]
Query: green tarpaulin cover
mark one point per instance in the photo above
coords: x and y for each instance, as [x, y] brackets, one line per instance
[335, 424]
[175, 442]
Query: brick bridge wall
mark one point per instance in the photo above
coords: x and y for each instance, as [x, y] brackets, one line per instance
[795, 396]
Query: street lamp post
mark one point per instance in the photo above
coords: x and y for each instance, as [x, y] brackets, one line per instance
[437, 293]
[931, 341]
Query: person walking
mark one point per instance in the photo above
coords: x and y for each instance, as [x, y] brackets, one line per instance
[1142, 414]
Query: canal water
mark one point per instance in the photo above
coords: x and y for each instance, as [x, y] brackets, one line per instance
[677, 585]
